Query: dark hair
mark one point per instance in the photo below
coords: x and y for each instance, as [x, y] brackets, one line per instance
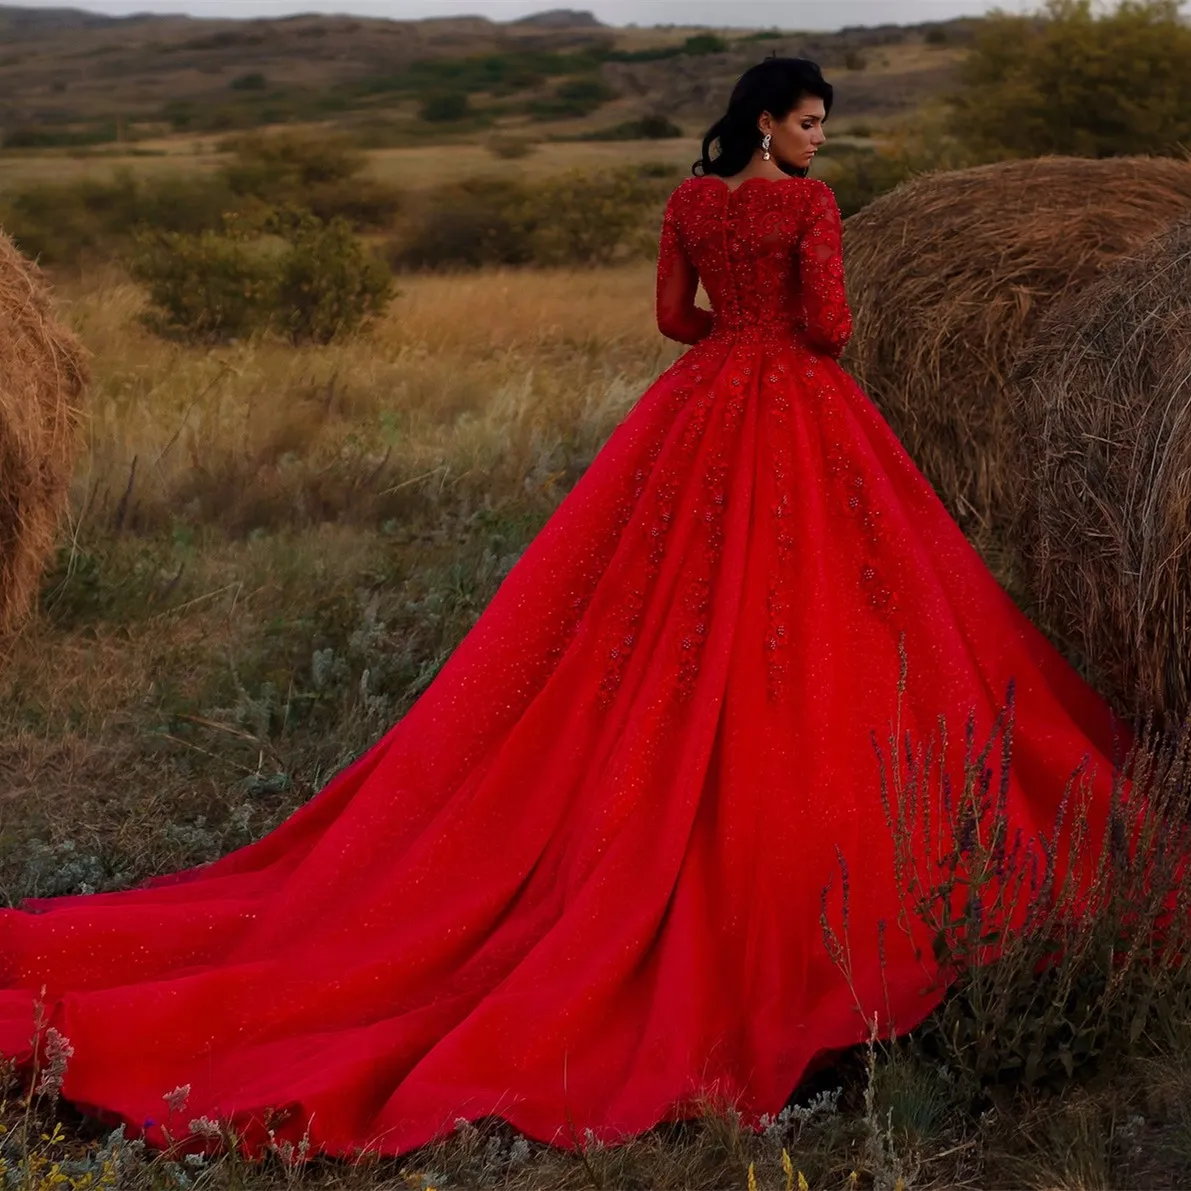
[774, 85]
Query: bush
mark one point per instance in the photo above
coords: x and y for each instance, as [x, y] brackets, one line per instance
[328, 284]
[467, 224]
[255, 81]
[446, 107]
[655, 127]
[590, 219]
[43, 136]
[317, 283]
[589, 90]
[65, 223]
[1063, 953]
[656, 54]
[860, 175]
[272, 165]
[208, 287]
[576, 218]
[704, 43]
[321, 173]
[70, 222]
[498, 74]
[575, 97]
[1072, 82]
[921, 145]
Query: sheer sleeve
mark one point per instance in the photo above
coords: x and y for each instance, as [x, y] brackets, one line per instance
[677, 282]
[826, 317]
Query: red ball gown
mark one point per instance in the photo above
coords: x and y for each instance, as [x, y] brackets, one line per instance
[578, 886]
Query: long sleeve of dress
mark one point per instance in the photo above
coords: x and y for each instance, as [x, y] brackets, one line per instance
[677, 282]
[827, 318]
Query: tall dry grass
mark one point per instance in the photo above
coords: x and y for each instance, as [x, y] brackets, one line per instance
[303, 538]
[472, 385]
[240, 513]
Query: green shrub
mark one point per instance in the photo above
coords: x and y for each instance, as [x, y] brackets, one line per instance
[579, 218]
[328, 283]
[656, 54]
[47, 136]
[293, 274]
[704, 43]
[1062, 954]
[860, 175]
[498, 74]
[318, 172]
[69, 222]
[181, 114]
[208, 287]
[576, 218]
[654, 127]
[65, 223]
[467, 224]
[586, 90]
[575, 97]
[1072, 81]
[273, 165]
[921, 145]
[446, 107]
[254, 81]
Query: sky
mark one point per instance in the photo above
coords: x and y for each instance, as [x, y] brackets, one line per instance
[786, 14]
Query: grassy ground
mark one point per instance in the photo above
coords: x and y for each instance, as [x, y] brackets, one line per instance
[414, 167]
[256, 528]
[410, 168]
[240, 509]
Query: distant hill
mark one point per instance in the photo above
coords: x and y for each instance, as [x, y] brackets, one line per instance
[70, 78]
[560, 18]
[18, 24]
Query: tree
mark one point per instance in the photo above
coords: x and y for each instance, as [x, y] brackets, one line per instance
[1070, 80]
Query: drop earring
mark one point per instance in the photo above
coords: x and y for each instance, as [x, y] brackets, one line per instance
[765, 145]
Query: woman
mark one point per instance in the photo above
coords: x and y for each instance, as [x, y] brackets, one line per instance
[579, 885]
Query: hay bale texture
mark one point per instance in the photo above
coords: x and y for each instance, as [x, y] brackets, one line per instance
[1103, 397]
[43, 373]
[949, 274]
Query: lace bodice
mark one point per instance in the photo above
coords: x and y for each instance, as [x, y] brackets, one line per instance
[769, 253]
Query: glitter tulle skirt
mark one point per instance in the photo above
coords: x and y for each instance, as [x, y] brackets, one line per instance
[580, 884]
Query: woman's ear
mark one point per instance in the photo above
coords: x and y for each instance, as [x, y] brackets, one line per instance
[765, 123]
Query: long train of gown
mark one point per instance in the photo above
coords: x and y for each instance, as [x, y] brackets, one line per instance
[578, 885]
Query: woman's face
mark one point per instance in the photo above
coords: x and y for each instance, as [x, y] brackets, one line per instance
[798, 136]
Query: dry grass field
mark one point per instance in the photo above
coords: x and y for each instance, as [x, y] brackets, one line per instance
[411, 168]
[271, 551]
[227, 492]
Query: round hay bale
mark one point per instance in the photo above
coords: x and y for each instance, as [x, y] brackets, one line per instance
[947, 276]
[43, 373]
[1103, 397]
